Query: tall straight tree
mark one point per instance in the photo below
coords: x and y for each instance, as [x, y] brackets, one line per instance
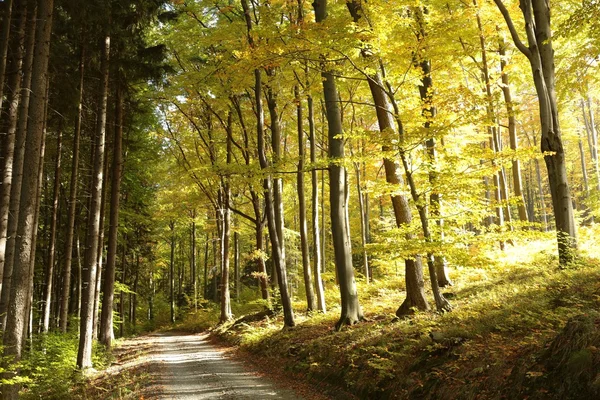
[21, 279]
[108, 287]
[317, 260]
[512, 133]
[351, 312]
[18, 162]
[540, 54]
[70, 229]
[15, 67]
[53, 229]
[84, 354]
[310, 295]
[4, 38]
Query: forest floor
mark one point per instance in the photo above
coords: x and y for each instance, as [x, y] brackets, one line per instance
[520, 328]
[180, 365]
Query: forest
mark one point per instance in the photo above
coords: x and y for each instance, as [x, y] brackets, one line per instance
[394, 198]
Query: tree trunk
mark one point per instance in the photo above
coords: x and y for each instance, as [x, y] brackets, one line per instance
[512, 134]
[226, 238]
[18, 162]
[172, 272]
[429, 111]
[317, 267]
[108, 288]
[272, 221]
[53, 228]
[70, 228]
[205, 284]
[592, 136]
[540, 53]
[308, 286]
[21, 277]
[236, 263]
[193, 260]
[277, 256]
[351, 312]
[14, 70]
[276, 182]
[4, 43]
[84, 355]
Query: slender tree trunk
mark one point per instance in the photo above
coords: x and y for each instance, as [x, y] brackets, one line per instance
[15, 68]
[592, 136]
[21, 277]
[18, 163]
[133, 295]
[351, 312]
[277, 256]
[108, 289]
[205, 285]
[586, 186]
[98, 279]
[4, 40]
[193, 260]
[263, 276]
[53, 228]
[429, 111]
[84, 355]
[308, 286]
[512, 134]
[236, 263]
[64, 301]
[317, 260]
[276, 182]
[172, 272]
[226, 238]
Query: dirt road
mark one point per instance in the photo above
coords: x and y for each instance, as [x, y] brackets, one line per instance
[192, 368]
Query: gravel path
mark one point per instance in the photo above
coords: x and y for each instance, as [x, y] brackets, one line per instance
[192, 368]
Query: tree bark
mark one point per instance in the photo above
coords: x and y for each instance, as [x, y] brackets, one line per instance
[193, 260]
[108, 288]
[172, 272]
[68, 252]
[512, 134]
[308, 286]
[84, 355]
[351, 312]
[226, 234]
[4, 40]
[53, 228]
[540, 54]
[317, 260]
[21, 277]
[15, 68]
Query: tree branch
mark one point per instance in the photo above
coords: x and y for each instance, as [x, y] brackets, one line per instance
[511, 27]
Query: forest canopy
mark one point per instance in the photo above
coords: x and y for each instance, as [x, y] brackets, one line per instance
[161, 158]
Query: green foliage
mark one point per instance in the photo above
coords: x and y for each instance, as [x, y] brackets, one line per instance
[49, 366]
[506, 334]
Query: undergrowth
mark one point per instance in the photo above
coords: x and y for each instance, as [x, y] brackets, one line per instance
[508, 313]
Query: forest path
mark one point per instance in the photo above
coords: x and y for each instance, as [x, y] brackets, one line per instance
[192, 368]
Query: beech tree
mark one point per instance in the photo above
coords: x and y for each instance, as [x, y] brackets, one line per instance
[540, 53]
[351, 312]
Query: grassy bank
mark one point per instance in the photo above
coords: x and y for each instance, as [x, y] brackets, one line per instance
[520, 328]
